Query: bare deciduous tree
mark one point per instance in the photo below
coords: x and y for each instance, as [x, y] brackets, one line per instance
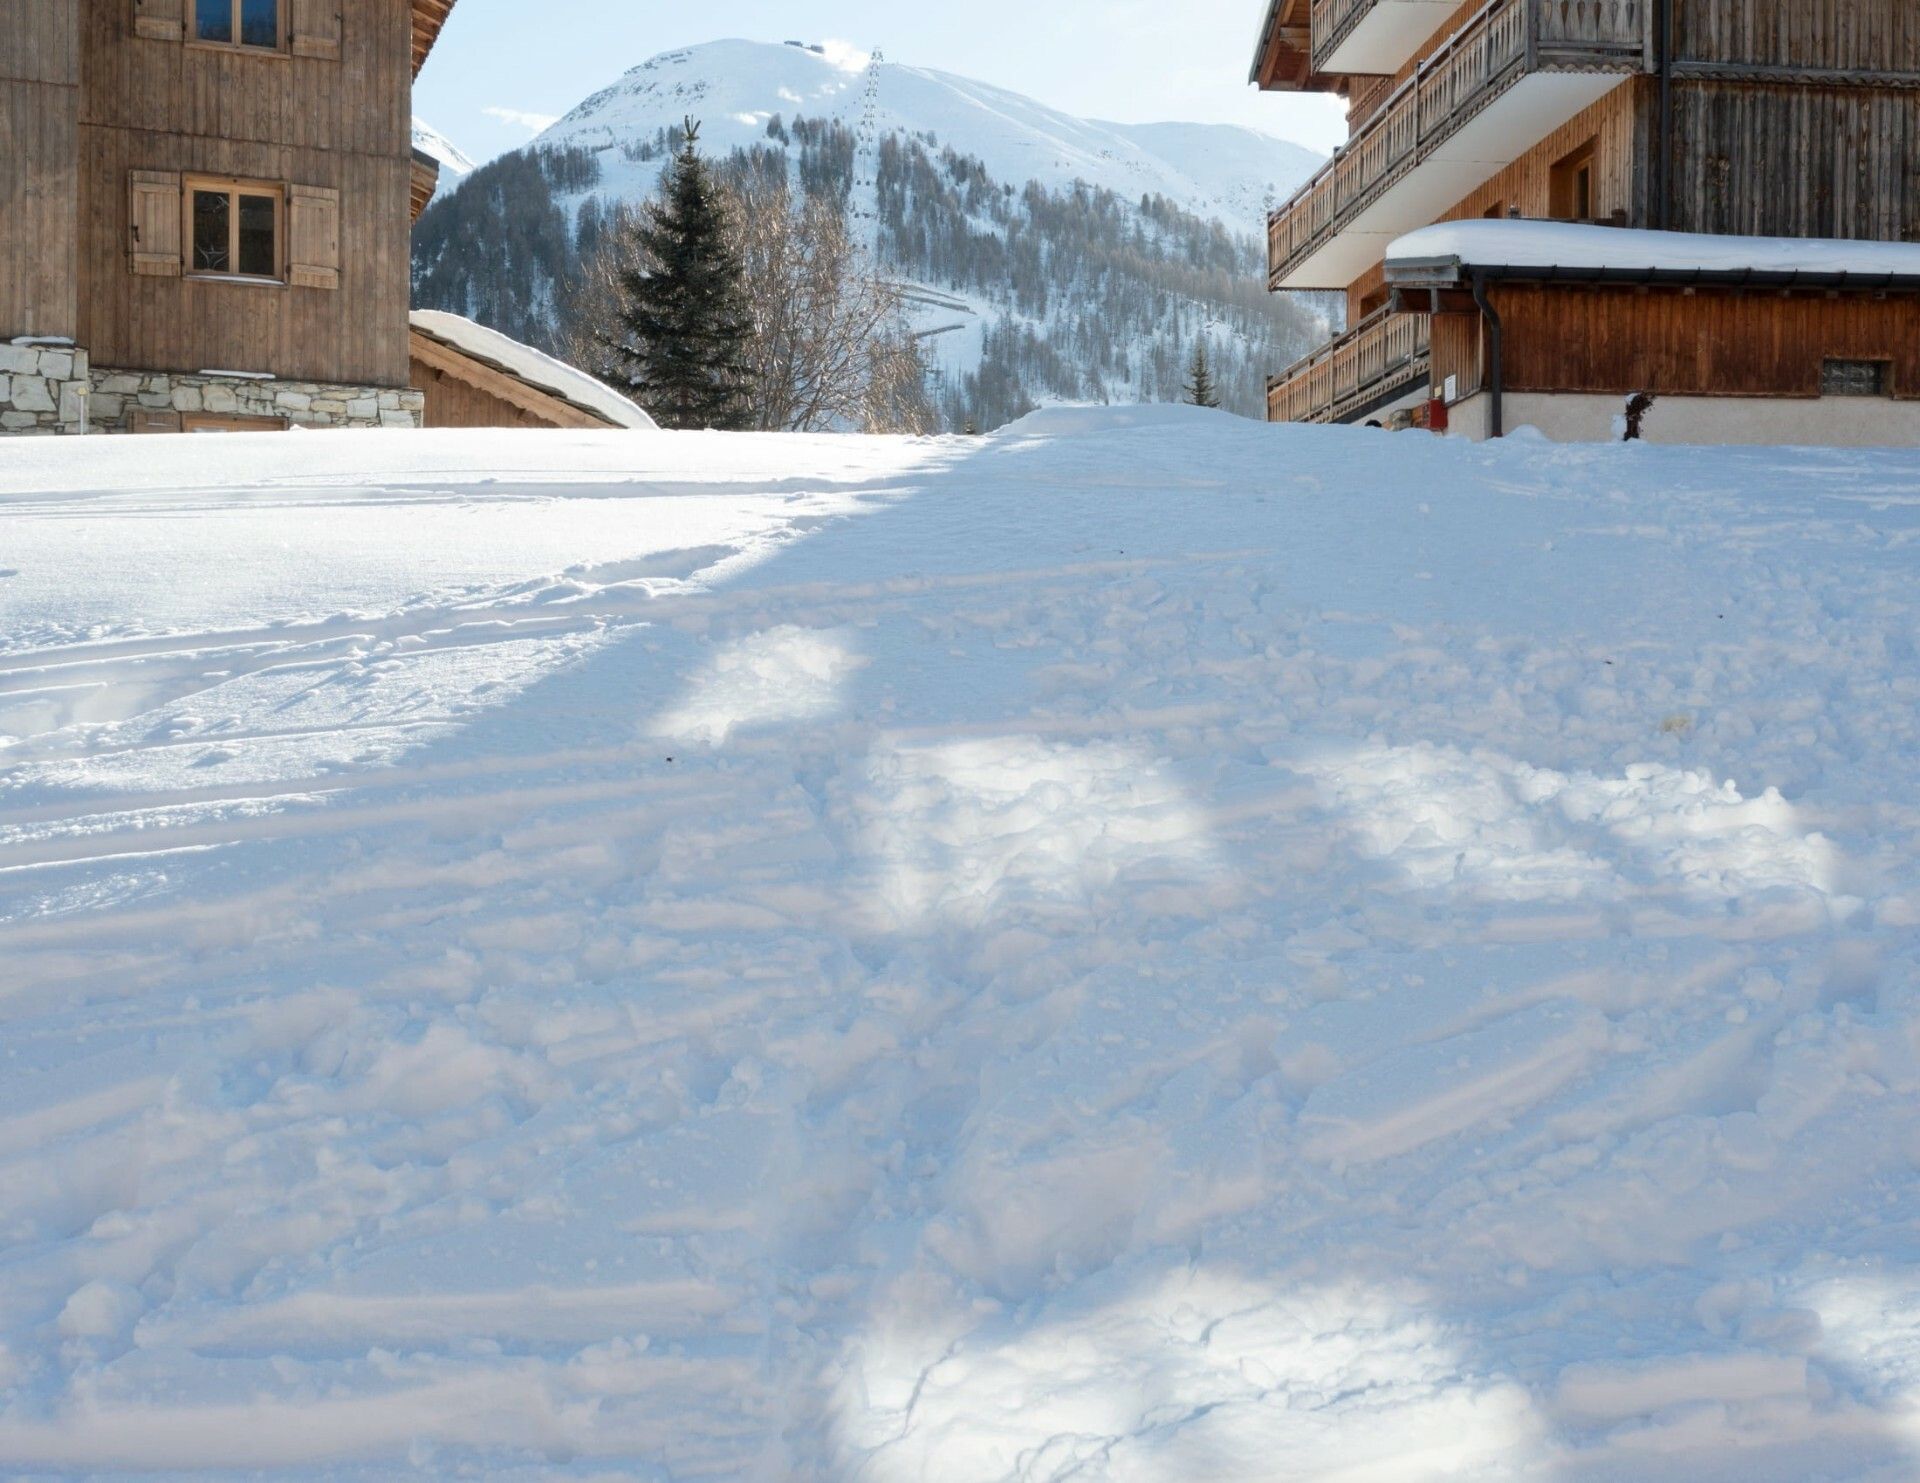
[830, 347]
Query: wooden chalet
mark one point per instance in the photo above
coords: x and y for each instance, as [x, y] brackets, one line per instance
[1702, 122]
[206, 209]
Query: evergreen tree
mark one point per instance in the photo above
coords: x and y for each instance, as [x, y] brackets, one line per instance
[683, 318]
[1200, 389]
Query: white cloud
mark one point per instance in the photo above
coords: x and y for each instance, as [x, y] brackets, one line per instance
[533, 123]
[845, 55]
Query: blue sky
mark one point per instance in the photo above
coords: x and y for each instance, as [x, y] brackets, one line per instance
[503, 66]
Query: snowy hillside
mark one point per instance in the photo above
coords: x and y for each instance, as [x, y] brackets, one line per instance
[454, 166]
[1048, 258]
[1144, 947]
[735, 88]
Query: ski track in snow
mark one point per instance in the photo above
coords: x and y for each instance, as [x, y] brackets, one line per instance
[1142, 947]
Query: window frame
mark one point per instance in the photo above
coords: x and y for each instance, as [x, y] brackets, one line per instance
[1565, 179]
[1884, 365]
[280, 23]
[192, 186]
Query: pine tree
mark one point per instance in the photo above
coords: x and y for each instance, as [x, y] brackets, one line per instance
[684, 322]
[1200, 388]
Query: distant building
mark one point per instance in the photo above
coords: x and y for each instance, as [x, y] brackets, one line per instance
[1749, 120]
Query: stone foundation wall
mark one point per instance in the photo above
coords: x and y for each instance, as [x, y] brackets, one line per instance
[40, 388]
[40, 393]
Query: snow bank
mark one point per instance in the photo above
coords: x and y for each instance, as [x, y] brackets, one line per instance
[535, 366]
[1141, 947]
[1572, 245]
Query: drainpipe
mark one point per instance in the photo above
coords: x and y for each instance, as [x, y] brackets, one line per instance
[1663, 162]
[1496, 370]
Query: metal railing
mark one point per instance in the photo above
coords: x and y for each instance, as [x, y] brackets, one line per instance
[1504, 40]
[1383, 354]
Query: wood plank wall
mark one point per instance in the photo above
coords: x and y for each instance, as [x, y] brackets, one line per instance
[1782, 161]
[1856, 35]
[39, 154]
[159, 105]
[1718, 343]
[453, 403]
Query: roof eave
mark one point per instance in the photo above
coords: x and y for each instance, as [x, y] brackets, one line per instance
[1451, 272]
[428, 18]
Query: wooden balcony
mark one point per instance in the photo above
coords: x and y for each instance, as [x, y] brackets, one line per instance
[1384, 356]
[1373, 36]
[1513, 73]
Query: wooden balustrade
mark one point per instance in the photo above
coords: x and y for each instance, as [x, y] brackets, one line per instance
[1383, 354]
[1502, 41]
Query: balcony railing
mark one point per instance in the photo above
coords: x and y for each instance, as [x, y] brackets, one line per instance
[1503, 42]
[1383, 354]
[1333, 22]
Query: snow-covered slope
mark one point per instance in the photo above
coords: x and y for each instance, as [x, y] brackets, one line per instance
[1146, 947]
[736, 87]
[454, 166]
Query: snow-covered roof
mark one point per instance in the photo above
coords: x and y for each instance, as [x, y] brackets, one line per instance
[535, 367]
[1575, 249]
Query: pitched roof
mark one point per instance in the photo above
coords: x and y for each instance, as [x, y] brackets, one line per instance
[530, 367]
[428, 17]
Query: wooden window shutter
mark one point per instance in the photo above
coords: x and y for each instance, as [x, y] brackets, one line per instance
[155, 223]
[316, 29]
[162, 20]
[313, 237]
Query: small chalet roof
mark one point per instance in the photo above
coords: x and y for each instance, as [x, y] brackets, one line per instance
[1451, 252]
[428, 17]
[533, 367]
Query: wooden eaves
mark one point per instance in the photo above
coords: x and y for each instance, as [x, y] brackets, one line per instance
[428, 17]
[1283, 62]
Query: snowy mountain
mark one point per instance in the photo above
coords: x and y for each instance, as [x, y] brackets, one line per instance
[1047, 258]
[454, 165]
[736, 88]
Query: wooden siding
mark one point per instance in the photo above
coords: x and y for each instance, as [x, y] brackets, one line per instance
[1620, 340]
[1800, 35]
[1458, 351]
[39, 154]
[303, 121]
[1781, 161]
[474, 395]
[1527, 182]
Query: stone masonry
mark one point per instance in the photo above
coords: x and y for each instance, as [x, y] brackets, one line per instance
[40, 393]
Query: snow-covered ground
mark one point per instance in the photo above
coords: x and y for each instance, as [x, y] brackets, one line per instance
[1145, 947]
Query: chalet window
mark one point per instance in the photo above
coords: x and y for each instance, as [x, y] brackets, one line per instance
[1855, 377]
[233, 229]
[249, 23]
[1570, 185]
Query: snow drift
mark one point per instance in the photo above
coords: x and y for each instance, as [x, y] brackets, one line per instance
[1143, 947]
